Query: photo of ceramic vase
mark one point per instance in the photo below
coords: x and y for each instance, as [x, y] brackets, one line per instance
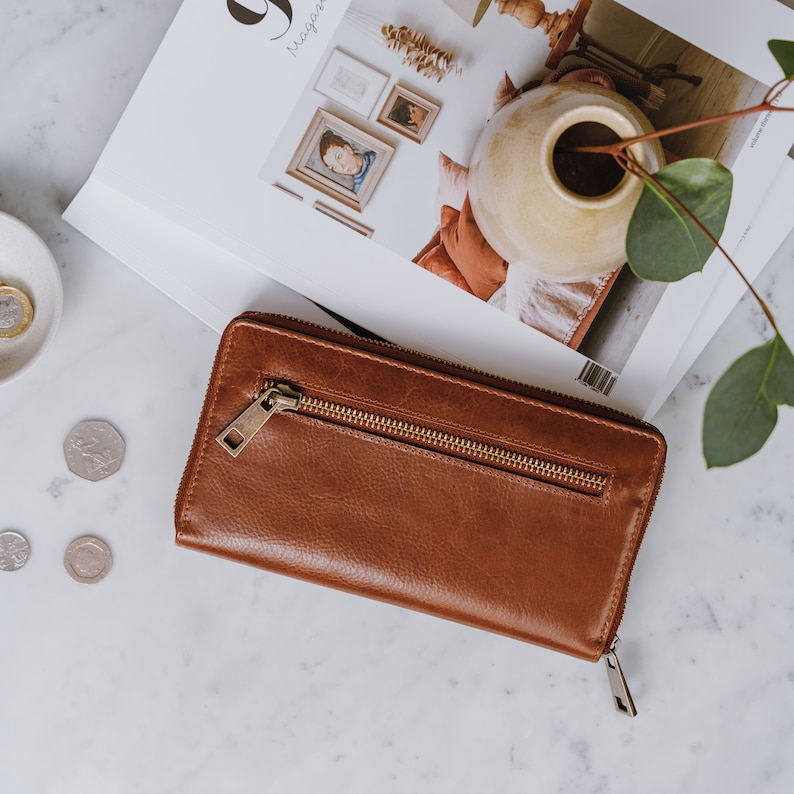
[564, 216]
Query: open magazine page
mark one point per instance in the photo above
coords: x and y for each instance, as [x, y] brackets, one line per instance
[206, 279]
[223, 138]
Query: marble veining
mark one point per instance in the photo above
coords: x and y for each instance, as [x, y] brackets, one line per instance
[183, 674]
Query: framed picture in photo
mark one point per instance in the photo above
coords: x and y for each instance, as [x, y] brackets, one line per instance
[408, 113]
[340, 160]
[340, 217]
[351, 83]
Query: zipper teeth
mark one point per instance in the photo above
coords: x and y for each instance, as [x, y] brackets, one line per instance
[530, 464]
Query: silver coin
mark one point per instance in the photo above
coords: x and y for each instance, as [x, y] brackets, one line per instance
[88, 559]
[14, 550]
[94, 450]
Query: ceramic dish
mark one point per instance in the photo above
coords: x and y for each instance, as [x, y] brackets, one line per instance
[29, 270]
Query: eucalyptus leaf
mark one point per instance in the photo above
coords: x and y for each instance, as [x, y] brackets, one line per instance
[784, 55]
[662, 242]
[741, 410]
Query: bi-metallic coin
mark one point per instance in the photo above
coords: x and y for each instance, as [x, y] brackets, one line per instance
[16, 311]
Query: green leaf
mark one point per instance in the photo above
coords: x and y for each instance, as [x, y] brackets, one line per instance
[741, 410]
[784, 55]
[662, 242]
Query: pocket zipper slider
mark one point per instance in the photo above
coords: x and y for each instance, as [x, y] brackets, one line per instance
[617, 682]
[236, 435]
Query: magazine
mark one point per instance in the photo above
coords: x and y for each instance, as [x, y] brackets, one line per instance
[221, 145]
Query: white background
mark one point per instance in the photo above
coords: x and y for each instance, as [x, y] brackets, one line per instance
[180, 673]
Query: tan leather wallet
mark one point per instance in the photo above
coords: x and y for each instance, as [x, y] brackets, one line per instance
[385, 473]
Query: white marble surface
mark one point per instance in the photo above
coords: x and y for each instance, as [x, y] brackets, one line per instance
[183, 673]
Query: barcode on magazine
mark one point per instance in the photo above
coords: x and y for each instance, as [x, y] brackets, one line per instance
[597, 377]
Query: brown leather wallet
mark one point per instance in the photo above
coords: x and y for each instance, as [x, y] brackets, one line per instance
[372, 469]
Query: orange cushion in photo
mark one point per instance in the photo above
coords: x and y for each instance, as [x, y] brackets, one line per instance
[484, 270]
[438, 261]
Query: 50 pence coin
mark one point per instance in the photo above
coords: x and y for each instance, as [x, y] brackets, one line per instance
[94, 450]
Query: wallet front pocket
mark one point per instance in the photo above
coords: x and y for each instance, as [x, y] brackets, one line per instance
[544, 467]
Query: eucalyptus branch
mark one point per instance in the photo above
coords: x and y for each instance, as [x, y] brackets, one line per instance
[741, 409]
[630, 165]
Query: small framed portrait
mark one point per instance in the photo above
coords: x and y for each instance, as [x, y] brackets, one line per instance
[340, 217]
[351, 83]
[340, 160]
[408, 113]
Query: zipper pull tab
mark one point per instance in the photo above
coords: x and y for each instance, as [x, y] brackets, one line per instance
[277, 398]
[617, 682]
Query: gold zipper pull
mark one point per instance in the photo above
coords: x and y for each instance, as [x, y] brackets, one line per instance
[617, 682]
[235, 436]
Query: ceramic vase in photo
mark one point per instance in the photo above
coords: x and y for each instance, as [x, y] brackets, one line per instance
[564, 216]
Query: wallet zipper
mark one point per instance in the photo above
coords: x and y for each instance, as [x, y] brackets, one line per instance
[621, 696]
[277, 397]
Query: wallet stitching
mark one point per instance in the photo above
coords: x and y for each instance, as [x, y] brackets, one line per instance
[627, 558]
[210, 413]
[597, 466]
[461, 462]
[479, 387]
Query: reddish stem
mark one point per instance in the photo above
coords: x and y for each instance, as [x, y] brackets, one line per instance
[768, 104]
